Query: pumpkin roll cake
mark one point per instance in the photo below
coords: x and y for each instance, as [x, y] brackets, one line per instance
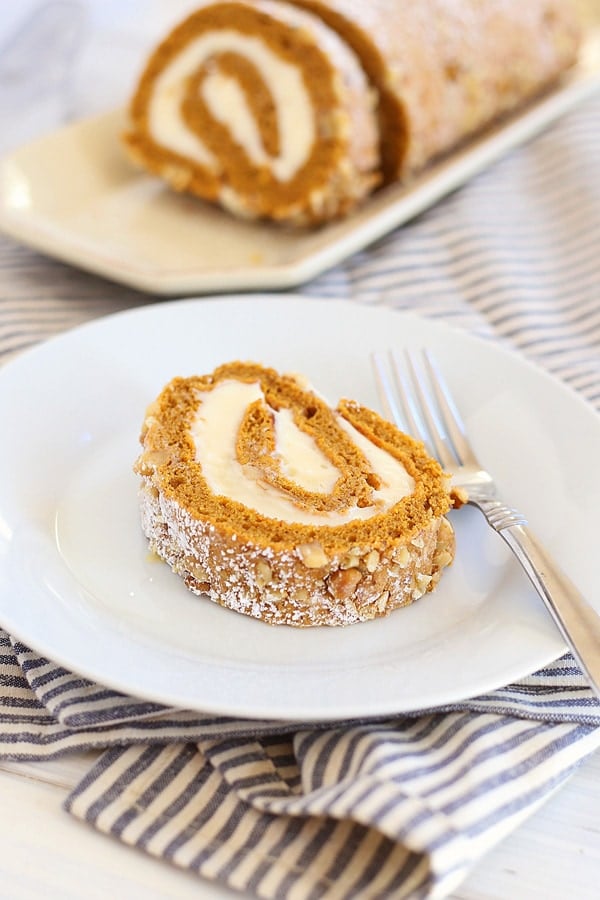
[270, 502]
[295, 110]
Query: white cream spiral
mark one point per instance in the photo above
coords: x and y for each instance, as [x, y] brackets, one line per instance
[228, 103]
[215, 431]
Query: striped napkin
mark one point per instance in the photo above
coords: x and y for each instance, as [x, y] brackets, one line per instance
[399, 807]
[403, 806]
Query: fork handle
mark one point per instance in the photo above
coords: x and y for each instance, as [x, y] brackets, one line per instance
[577, 621]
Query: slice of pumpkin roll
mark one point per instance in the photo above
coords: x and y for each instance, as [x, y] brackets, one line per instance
[445, 69]
[259, 107]
[273, 504]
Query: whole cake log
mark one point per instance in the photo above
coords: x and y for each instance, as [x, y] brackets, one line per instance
[295, 110]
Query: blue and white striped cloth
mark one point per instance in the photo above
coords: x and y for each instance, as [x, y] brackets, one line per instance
[400, 807]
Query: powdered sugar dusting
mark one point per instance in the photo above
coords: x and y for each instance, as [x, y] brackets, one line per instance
[232, 573]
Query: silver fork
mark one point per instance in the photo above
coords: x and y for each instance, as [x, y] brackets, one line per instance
[426, 410]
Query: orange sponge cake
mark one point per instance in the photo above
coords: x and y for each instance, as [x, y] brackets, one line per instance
[261, 496]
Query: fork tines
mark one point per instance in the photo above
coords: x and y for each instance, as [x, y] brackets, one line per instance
[416, 397]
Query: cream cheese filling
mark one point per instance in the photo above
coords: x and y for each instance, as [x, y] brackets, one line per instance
[215, 429]
[228, 104]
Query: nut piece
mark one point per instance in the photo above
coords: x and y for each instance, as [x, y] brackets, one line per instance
[301, 597]
[195, 569]
[350, 560]
[459, 497]
[151, 460]
[442, 559]
[422, 583]
[402, 557]
[382, 601]
[312, 555]
[262, 573]
[372, 561]
[343, 583]
[351, 610]
[444, 551]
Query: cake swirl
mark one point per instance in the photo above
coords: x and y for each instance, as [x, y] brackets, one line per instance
[261, 107]
[260, 495]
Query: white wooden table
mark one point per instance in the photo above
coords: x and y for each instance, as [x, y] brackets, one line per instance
[44, 852]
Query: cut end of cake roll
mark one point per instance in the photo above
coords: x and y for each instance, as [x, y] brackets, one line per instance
[261, 108]
[273, 504]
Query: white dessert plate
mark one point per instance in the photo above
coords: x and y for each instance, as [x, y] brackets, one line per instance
[78, 585]
[73, 195]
